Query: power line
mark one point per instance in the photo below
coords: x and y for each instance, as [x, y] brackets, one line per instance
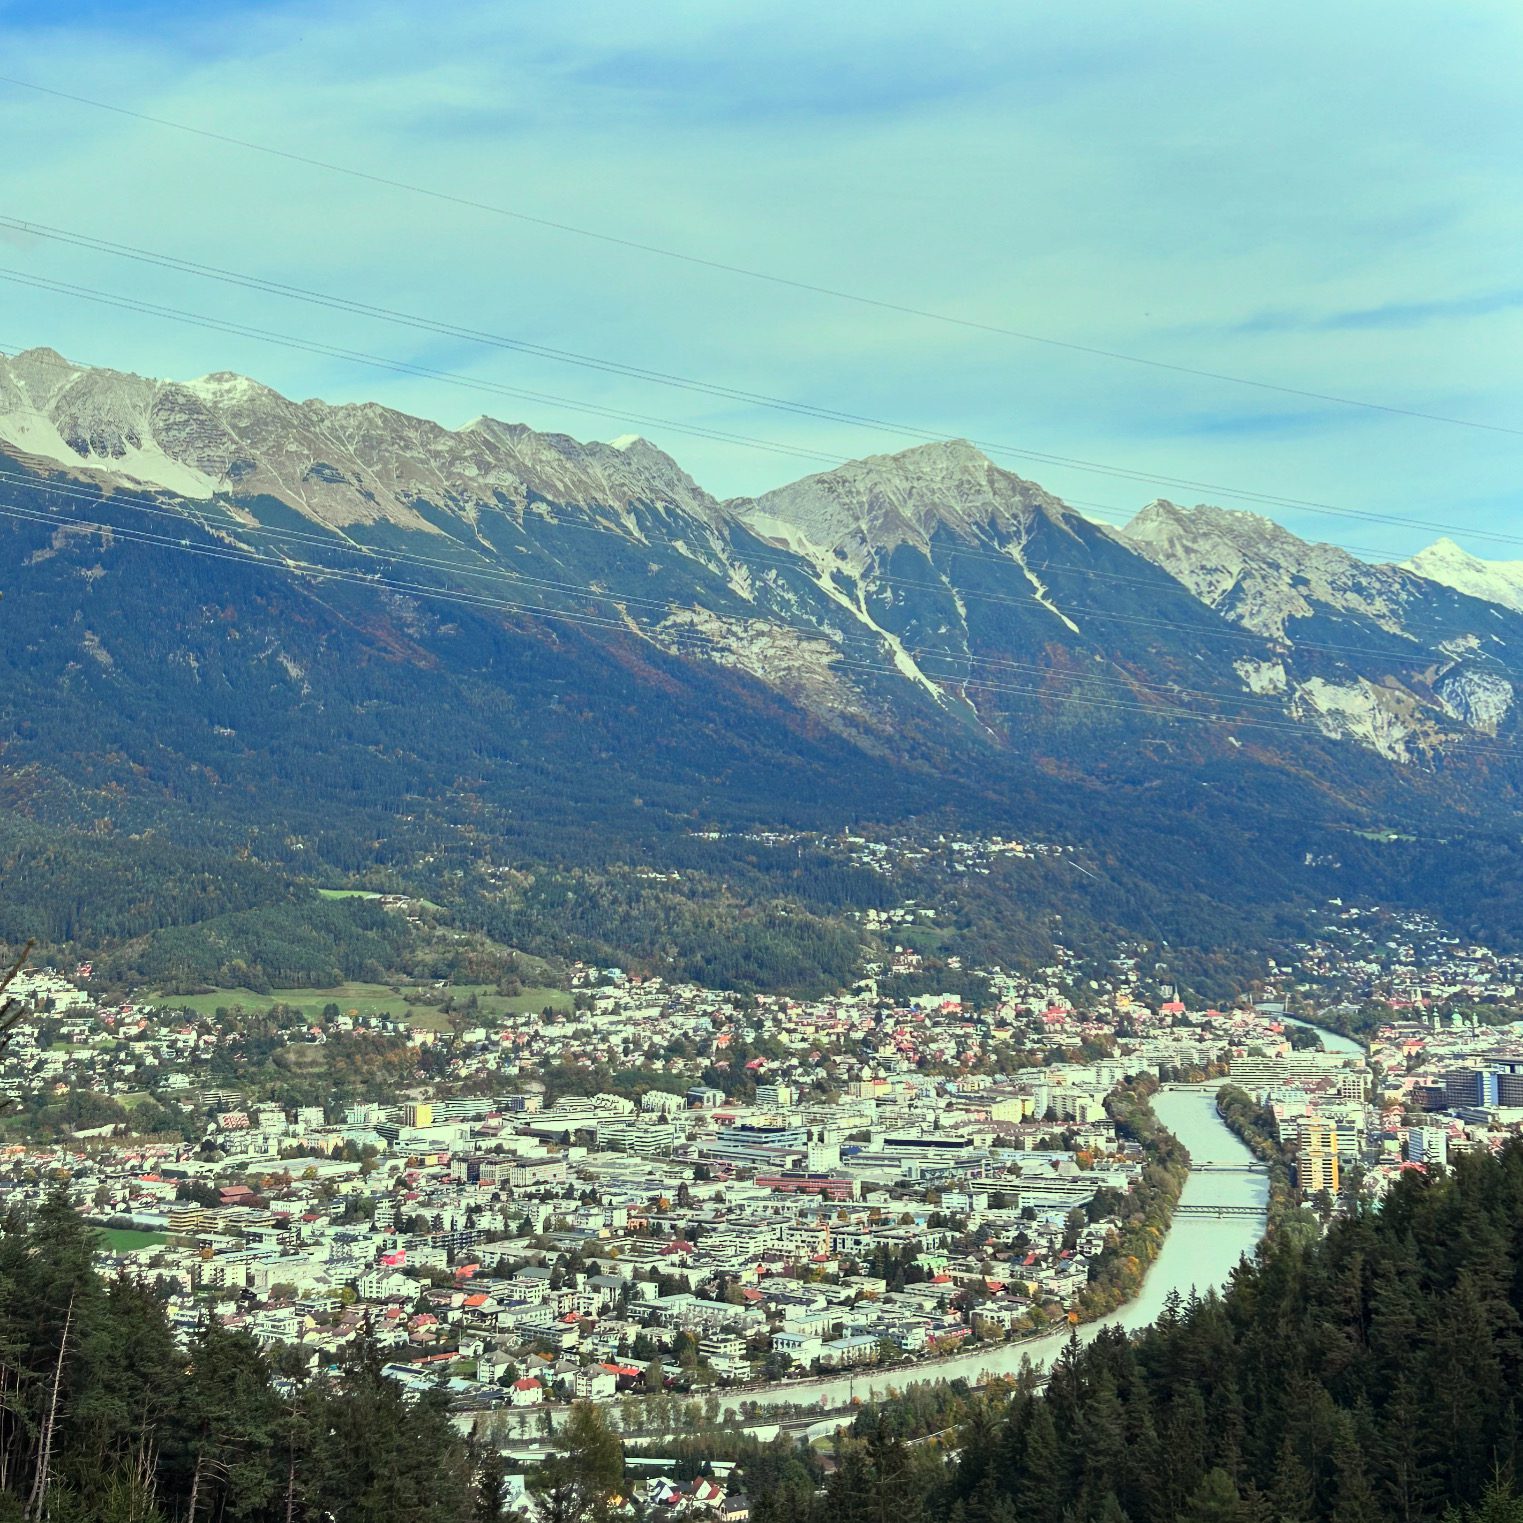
[662, 378]
[233, 528]
[1238, 635]
[692, 642]
[769, 277]
[1098, 512]
[1017, 452]
[236, 528]
[292, 567]
[451, 330]
[798, 564]
[401, 367]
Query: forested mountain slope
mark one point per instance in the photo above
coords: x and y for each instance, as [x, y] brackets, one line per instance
[323, 642]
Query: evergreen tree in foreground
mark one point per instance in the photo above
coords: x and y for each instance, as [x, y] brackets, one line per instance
[105, 1419]
[1369, 1377]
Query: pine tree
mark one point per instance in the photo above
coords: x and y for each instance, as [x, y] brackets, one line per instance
[491, 1489]
[1292, 1494]
[1038, 1493]
[1111, 1510]
[1353, 1497]
[1214, 1500]
[230, 1420]
[1102, 1442]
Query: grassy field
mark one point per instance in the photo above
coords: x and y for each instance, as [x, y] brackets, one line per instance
[533, 999]
[370, 893]
[363, 999]
[125, 1239]
[375, 999]
[928, 940]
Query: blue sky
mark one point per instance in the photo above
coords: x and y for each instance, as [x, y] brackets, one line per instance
[1325, 197]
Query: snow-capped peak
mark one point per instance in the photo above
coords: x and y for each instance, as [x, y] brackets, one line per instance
[339, 465]
[225, 386]
[1445, 562]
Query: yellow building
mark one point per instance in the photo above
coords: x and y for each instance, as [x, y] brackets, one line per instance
[1317, 1158]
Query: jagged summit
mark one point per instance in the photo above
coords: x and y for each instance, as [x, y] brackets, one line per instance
[883, 501]
[42, 355]
[1162, 521]
[1257, 572]
[336, 464]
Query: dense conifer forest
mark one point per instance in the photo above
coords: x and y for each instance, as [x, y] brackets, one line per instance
[106, 1417]
[1370, 1376]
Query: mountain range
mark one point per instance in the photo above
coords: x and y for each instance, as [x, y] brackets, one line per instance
[230, 615]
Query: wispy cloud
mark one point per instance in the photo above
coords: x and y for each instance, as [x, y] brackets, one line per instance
[1391, 314]
[1167, 181]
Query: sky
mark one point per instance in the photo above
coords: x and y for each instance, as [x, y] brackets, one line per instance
[1323, 198]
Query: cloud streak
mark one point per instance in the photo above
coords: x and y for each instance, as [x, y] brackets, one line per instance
[1394, 314]
[1194, 186]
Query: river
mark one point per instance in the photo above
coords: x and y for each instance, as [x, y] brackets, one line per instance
[1199, 1253]
[1333, 1041]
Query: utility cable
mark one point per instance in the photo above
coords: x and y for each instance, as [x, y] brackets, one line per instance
[770, 278]
[1021, 453]
[290, 566]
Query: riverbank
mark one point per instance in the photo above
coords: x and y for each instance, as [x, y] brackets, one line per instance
[1199, 1254]
[1255, 1126]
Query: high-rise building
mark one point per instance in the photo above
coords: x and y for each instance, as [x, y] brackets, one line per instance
[1428, 1145]
[1509, 1077]
[1317, 1157]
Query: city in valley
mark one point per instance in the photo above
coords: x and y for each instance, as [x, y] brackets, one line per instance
[761, 765]
[688, 1206]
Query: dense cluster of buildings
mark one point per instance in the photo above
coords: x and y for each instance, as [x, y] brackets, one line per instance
[1445, 1068]
[767, 1186]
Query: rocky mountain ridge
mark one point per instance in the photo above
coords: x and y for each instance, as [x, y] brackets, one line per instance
[227, 435]
[928, 588]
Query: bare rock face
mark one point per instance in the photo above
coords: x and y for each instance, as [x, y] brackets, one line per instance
[337, 466]
[871, 507]
[929, 587]
[1261, 575]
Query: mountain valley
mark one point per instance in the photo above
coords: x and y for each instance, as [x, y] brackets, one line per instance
[337, 640]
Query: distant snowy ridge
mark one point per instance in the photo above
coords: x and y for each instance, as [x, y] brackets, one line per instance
[1495, 581]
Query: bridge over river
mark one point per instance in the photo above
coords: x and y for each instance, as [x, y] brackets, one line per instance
[1220, 1212]
[1220, 1217]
